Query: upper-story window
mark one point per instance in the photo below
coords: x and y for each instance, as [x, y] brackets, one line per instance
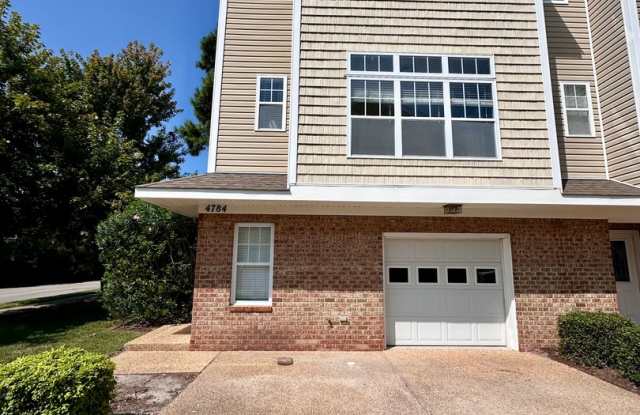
[271, 109]
[422, 106]
[577, 110]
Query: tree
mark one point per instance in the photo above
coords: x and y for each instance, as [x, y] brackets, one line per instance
[196, 134]
[76, 136]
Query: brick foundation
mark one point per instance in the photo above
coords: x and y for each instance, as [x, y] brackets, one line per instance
[329, 266]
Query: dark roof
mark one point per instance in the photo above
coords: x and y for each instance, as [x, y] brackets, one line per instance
[225, 181]
[586, 187]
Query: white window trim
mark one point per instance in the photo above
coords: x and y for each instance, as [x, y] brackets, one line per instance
[445, 77]
[565, 120]
[423, 266]
[241, 303]
[284, 103]
[388, 276]
[563, 2]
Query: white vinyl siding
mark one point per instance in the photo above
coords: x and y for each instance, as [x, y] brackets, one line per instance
[422, 107]
[252, 264]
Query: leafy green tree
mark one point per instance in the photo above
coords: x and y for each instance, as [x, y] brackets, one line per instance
[76, 136]
[196, 134]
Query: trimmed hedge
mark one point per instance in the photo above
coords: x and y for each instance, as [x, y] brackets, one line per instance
[61, 381]
[601, 340]
[148, 255]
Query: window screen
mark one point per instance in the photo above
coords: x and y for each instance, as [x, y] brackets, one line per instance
[577, 109]
[253, 263]
[423, 119]
[271, 104]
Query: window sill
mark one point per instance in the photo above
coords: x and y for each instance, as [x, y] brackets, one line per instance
[250, 309]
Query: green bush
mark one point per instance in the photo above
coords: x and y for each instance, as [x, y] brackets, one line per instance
[148, 255]
[601, 340]
[58, 382]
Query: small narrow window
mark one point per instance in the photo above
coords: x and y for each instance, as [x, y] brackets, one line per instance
[427, 275]
[399, 275]
[422, 119]
[457, 275]
[577, 109]
[620, 261]
[372, 121]
[253, 262]
[271, 106]
[473, 124]
[371, 63]
[421, 64]
[470, 66]
[486, 276]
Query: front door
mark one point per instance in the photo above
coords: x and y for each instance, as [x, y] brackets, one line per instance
[624, 248]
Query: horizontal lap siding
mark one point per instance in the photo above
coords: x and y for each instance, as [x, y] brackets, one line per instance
[622, 136]
[570, 60]
[257, 41]
[505, 29]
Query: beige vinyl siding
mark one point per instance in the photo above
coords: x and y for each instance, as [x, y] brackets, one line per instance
[505, 29]
[622, 136]
[570, 60]
[257, 41]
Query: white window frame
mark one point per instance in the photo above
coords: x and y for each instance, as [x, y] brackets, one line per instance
[423, 266]
[258, 103]
[446, 78]
[564, 2]
[234, 272]
[407, 267]
[563, 105]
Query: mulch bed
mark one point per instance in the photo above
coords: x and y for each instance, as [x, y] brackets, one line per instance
[607, 374]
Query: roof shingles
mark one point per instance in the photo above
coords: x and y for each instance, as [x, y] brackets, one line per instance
[225, 181]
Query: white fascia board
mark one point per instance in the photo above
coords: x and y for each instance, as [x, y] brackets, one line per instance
[217, 86]
[548, 95]
[395, 195]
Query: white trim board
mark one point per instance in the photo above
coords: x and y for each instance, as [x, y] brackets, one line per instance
[217, 86]
[632, 32]
[292, 167]
[511, 321]
[548, 96]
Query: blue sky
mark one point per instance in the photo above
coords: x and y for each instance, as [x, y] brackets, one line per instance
[176, 26]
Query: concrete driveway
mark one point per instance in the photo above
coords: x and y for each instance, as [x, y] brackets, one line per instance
[399, 381]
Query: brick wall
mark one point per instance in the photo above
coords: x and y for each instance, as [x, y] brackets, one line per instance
[328, 266]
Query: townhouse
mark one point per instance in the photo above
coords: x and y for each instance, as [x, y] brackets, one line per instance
[415, 173]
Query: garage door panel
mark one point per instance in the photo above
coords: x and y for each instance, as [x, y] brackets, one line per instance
[443, 313]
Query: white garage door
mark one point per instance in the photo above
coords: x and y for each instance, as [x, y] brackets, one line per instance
[444, 292]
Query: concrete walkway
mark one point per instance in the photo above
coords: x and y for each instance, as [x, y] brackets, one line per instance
[10, 295]
[398, 381]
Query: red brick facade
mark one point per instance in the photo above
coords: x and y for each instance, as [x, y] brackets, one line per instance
[330, 266]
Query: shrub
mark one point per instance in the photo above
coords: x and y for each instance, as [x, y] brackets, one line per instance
[58, 382]
[590, 338]
[148, 255]
[601, 340]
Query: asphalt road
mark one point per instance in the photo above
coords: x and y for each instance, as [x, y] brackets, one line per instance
[10, 295]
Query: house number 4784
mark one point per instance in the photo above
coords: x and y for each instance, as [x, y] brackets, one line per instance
[215, 208]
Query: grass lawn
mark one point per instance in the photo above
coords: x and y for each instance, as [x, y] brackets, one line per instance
[83, 324]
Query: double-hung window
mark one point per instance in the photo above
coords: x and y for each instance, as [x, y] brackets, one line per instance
[271, 92]
[577, 109]
[252, 264]
[422, 106]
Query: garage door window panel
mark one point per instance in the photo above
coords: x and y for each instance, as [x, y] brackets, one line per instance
[398, 275]
[457, 275]
[428, 275]
[486, 276]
